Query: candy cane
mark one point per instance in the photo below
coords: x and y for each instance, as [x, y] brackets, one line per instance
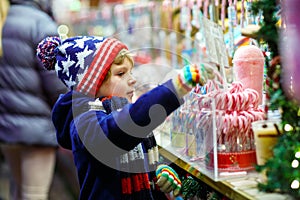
[245, 128]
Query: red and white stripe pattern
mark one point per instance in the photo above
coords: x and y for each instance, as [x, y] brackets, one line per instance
[93, 77]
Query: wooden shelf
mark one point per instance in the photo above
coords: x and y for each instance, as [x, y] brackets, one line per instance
[221, 186]
[235, 187]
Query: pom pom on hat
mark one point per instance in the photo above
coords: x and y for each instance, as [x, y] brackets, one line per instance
[45, 51]
[80, 62]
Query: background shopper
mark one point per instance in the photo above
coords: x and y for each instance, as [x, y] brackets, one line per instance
[27, 94]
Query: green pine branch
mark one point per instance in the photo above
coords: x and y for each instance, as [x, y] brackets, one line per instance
[280, 173]
[268, 31]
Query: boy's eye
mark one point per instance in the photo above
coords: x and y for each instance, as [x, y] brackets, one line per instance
[120, 73]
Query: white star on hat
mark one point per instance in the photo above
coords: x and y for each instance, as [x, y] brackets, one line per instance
[81, 56]
[69, 82]
[80, 42]
[66, 65]
[63, 47]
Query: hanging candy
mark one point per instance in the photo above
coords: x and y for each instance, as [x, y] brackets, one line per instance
[173, 43]
[167, 7]
[235, 9]
[223, 13]
[199, 3]
[206, 5]
[195, 13]
[231, 20]
[242, 13]
[217, 3]
[175, 3]
[184, 15]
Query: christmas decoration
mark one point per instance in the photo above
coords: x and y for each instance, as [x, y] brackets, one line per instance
[282, 170]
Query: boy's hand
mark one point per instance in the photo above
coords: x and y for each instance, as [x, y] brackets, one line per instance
[189, 76]
[168, 180]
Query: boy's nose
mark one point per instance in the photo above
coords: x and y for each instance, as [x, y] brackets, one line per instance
[131, 80]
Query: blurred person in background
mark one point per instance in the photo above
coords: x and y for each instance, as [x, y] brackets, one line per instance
[27, 94]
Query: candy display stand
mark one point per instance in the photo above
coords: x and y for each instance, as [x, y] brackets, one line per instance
[187, 132]
[236, 109]
[214, 129]
[178, 129]
[193, 131]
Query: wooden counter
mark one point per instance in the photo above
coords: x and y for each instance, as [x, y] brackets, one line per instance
[236, 186]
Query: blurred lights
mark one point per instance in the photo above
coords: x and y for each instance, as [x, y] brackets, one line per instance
[295, 163]
[223, 147]
[297, 154]
[291, 86]
[288, 127]
[75, 6]
[295, 184]
[63, 31]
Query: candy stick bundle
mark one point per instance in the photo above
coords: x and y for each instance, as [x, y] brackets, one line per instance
[237, 108]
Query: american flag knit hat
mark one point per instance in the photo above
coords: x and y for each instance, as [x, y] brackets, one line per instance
[81, 62]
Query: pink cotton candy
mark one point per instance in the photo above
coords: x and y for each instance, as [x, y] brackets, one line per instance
[248, 66]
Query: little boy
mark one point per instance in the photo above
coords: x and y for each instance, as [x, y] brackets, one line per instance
[110, 136]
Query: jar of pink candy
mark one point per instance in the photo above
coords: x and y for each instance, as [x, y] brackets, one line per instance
[248, 68]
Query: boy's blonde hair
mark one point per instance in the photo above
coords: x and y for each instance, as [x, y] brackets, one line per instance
[124, 53]
[119, 59]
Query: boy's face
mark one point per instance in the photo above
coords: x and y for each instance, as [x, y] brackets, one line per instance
[120, 83]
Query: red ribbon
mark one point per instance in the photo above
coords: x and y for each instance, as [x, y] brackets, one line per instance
[234, 161]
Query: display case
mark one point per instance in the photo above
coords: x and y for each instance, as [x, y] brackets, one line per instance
[192, 137]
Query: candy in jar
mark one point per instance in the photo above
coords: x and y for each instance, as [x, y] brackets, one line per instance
[248, 66]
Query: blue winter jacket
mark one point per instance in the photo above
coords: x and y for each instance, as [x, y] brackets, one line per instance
[97, 139]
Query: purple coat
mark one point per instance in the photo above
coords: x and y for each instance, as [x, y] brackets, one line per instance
[27, 91]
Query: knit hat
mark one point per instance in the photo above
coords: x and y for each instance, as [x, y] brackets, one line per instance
[80, 62]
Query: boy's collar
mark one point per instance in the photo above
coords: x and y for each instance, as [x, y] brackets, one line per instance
[96, 105]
